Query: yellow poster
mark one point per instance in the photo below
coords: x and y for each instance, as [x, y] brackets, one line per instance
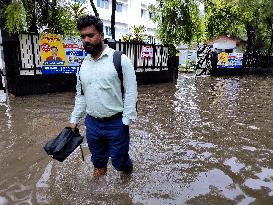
[52, 51]
[223, 59]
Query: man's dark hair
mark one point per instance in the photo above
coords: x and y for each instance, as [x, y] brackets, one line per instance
[89, 20]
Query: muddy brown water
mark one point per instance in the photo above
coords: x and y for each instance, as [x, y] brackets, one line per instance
[202, 141]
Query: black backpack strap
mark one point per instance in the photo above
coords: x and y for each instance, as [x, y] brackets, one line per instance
[118, 67]
[80, 80]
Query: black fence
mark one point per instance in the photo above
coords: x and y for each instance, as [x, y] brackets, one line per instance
[252, 60]
[11, 58]
[159, 68]
[252, 63]
[23, 66]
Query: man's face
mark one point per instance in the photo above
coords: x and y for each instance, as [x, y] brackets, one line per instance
[54, 52]
[92, 40]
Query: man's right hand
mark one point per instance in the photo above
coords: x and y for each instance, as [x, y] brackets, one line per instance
[72, 126]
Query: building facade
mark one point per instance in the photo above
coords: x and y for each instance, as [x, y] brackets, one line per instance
[228, 44]
[128, 13]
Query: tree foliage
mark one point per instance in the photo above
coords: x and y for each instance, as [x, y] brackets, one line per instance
[56, 16]
[267, 28]
[245, 19]
[222, 18]
[180, 21]
[137, 34]
[16, 16]
[63, 18]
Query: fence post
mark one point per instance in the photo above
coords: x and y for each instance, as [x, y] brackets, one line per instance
[135, 54]
[2, 64]
[161, 57]
[33, 53]
[153, 46]
[214, 60]
[111, 43]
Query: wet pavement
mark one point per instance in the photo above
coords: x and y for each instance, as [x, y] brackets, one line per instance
[205, 140]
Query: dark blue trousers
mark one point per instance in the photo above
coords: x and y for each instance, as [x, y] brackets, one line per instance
[108, 139]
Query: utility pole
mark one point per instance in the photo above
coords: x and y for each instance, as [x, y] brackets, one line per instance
[94, 8]
[113, 18]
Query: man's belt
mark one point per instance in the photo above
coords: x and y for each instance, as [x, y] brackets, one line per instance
[113, 117]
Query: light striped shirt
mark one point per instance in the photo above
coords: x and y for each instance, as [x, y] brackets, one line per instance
[102, 89]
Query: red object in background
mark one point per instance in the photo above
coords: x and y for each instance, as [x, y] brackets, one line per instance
[45, 47]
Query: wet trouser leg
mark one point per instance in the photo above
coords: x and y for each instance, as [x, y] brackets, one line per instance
[119, 148]
[98, 145]
[110, 138]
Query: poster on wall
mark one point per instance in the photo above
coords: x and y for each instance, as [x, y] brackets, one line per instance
[230, 60]
[60, 55]
[74, 51]
[147, 52]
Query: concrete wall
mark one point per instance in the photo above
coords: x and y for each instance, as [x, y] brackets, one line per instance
[222, 44]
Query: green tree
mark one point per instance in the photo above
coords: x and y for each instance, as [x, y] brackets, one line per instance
[68, 17]
[178, 21]
[181, 21]
[16, 16]
[222, 18]
[241, 18]
[77, 9]
[53, 16]
[267, 29]
[137, 34]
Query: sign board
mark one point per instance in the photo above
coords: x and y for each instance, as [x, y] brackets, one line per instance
[230, 60]
[147, 52]
[74, 51]
[60, 55]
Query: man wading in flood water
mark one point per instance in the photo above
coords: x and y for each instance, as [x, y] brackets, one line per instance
[99, 94]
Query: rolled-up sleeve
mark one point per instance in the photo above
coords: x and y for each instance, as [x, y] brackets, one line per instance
[80, 103]
[130, 91]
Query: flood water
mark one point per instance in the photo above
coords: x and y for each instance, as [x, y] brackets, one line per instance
[200, 141]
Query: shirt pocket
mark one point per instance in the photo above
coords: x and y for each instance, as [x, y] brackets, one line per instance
[107, 77]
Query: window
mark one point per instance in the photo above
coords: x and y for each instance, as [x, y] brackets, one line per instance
[103, 4]
[119, 7]
[143, 13]
[150, 15]
[108, 31]
[106, 4]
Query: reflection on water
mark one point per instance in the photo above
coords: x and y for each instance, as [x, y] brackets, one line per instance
[199, 141]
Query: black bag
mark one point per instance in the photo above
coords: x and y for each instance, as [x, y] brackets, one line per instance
[64, 144]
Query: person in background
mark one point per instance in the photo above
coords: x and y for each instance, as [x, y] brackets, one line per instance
[99, 95]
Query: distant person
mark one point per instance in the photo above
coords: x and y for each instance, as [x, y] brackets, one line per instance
[54, 57]
[99, 94]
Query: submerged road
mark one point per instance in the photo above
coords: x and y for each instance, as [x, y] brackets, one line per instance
[204, 140]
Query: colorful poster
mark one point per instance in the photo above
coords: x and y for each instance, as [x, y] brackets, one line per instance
[60, 55]
[147, 52]
[223, 59]
[230, 60]
[74, 51]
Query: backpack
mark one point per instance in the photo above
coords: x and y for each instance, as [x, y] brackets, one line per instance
[118, 67]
